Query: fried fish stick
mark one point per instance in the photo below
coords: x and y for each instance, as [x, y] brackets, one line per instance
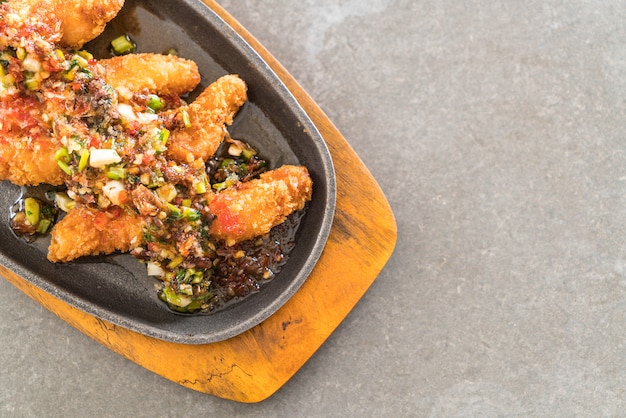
[156, 73]
[27, 141]
[27, 20]
[86, 231]
[29, 163]
[77, 21]
[84, 20]
[252, 208]
[27, 145]
[209, 114]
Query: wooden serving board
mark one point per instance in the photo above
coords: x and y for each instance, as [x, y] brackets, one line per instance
[254, 365]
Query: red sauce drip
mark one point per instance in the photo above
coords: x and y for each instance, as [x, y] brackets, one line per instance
[22, 117]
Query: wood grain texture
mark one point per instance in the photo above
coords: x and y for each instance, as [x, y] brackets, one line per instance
[254, 365]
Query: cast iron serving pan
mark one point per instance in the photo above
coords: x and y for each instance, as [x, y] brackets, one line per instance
[116, 288]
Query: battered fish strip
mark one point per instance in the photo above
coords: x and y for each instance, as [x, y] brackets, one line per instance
[28, 146]
[86, 231]
[26, 163]
[209, 114]
[250, 209]
[77, 21]
[84, 20]
[154, 73]
[242, 212]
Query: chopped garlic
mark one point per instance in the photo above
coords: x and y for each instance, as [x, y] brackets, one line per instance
[100, 158]
[112, 190]
[126, 112]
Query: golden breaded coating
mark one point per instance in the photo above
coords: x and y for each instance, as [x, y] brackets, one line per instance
[85, 231]
[156, 73]
[84, 20]
[40, 23]
[27, 140]
[29, 163]
[252, 208]
[214, 108]
[76, 21]
[27, 146]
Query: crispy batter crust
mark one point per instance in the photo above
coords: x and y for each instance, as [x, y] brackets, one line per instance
[210, 113]
[84, 20]
[156, 73]
[27, 145]
[29, 163]
[252, 208]
[85, 231]
[79, 21]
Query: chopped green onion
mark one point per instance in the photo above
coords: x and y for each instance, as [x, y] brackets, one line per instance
[70, 74]
[168, 295]
[8, 80]
[6, 56]
[62, 155]
[175, 213]
[64, 202]
[175, 262]
[181, 275]
[200, 184]
[200, 187]
[60, 55]
[248, 153]
[44, 226]
[66, 168]
[88, 73]
[20, 53]
[191, 214]
[32, 83]
[80, 61]
[155, 103]
[85, 54]
[84, 159]
[197, 277]
[219, 186]
[230, 180]
[32, 210]
[164, 135]
[226, 162]
[122, 45]
[116, 173]
[186, 118]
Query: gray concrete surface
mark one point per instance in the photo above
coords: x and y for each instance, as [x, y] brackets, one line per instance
[496, 129]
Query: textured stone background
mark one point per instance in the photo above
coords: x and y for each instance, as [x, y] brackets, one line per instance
[496, 130]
